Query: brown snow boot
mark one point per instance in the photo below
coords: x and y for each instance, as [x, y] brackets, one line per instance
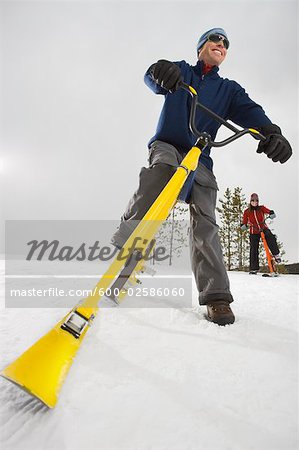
[220, 312]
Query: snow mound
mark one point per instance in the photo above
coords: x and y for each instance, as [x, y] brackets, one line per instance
[159, 378]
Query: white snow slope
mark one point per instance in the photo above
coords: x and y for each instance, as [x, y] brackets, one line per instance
[148, 379]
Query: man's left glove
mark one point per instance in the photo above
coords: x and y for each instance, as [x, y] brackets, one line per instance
[275, 146]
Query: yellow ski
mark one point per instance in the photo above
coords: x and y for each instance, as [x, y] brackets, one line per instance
[42, 369]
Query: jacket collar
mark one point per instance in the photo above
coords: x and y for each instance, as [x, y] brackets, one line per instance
[199, 70]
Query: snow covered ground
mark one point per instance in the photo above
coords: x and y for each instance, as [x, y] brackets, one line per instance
[165, 378]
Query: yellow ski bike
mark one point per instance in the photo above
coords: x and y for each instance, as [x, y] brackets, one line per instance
[273, 271]
[42, 369]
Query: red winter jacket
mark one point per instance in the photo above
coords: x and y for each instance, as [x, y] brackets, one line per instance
[255, 218]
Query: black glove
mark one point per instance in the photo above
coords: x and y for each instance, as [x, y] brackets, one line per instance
[275, 146]
[167, 74]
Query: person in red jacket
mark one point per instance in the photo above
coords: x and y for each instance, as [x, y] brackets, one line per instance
[254, 217]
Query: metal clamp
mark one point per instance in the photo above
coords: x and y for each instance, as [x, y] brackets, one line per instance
[184, 167]
[76, 323]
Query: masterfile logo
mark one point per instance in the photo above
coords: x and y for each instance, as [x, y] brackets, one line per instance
[54, 250]
[56, 263]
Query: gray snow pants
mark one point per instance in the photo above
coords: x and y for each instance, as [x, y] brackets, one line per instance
[205, 248]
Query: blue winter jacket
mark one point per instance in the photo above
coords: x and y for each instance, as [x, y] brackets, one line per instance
[225, 97]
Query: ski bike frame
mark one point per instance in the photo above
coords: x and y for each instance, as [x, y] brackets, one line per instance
[270, 258]
[42, 369]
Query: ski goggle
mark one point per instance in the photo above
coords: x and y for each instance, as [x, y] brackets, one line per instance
[217, 38]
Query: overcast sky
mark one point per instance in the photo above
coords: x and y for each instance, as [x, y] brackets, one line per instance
[76, 115]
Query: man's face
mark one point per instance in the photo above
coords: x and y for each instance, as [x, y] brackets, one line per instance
[212, 53]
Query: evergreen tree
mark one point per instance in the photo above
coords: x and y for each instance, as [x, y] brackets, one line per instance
[241, 238]
[174, 232]
[234, 241]
[227, 229]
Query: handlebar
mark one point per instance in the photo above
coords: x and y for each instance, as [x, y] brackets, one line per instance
[262, 223]
[205, 137]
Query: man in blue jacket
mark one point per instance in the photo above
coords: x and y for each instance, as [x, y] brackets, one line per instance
[173, 140]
